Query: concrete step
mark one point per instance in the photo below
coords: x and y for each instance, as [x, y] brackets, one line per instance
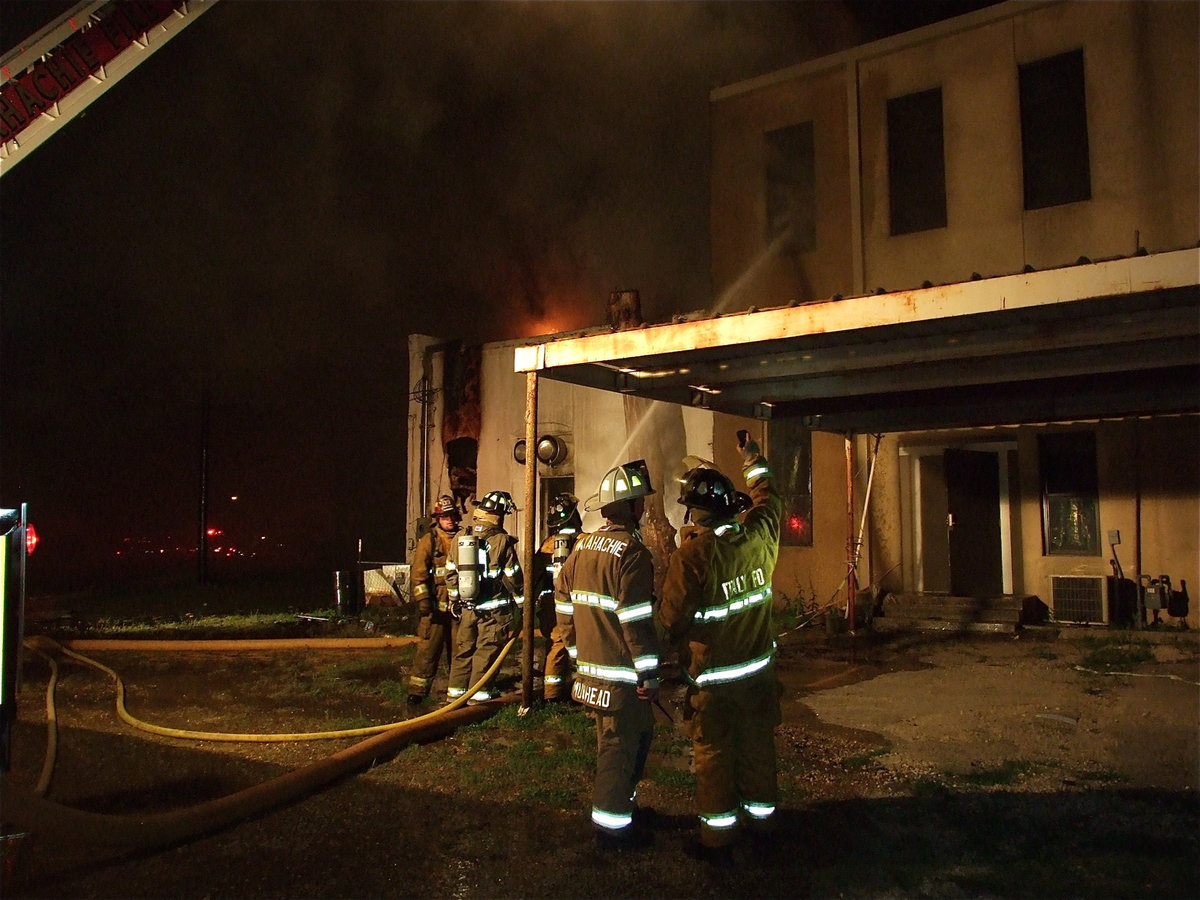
[951, 611]
[900, 624]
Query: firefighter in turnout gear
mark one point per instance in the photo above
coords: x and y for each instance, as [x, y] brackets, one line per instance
[435, 589]
[605, 605]
[563, 524]
[716, 606]
[490, 588]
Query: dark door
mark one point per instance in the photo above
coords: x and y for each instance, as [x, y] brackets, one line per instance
[973, 506]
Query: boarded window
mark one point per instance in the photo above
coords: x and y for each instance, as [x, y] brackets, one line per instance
[1054, 132]
[790, 445]
[791, 189]
[1070, 498]
[916, 162]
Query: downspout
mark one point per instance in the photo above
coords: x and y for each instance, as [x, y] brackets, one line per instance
[854, 147]
[1139, 614]
[425, 398]
[527, 538]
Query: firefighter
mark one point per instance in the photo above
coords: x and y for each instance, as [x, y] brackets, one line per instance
[605, 605]
[716, 606]
[563, 524]
[490, 588]
[435, 590]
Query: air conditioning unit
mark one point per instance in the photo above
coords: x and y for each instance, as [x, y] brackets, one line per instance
[1080, 598]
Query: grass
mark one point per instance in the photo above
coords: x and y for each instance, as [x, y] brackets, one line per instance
[862, 760]
[546, 757]
[1008, 772]
[1113, 654]
[380, 675]
[228, 626]
[1104, 776]
[283, 605]
[288, 592]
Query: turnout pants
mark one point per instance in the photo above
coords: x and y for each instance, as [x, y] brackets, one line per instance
[436, 633]
[732, 727]
[622, 744]
[479, 641]
[557, 678]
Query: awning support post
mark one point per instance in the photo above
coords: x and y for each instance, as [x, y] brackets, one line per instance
[528, 536]
[851, 554]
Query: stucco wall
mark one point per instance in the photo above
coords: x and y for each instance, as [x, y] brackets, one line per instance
[1149, 490]
[1140, 70]
[418, 345]
[982, 157]
[743, 274]
[1143, 110]
[591, 422]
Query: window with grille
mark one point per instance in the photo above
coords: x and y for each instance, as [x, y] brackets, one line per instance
[1070, 498]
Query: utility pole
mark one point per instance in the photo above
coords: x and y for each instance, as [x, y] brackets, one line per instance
[202, 528]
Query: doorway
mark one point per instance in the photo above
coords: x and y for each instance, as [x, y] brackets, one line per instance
[958, 515]
[973, 523]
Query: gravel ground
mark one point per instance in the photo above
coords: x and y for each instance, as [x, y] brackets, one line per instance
[913, 765]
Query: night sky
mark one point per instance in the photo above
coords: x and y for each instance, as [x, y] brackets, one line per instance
[264, 210]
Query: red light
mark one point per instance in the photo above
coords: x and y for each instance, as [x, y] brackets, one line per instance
[31, 538]
[211, 532]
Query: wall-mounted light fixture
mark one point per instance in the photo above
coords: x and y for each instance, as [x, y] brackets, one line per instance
[550, 450]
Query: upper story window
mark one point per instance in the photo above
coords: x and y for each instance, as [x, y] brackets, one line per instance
[916, 162]
[791, 189]
[1054, 133]
[1070, 496]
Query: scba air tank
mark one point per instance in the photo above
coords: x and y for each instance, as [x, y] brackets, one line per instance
[562, 549]
[469, 560]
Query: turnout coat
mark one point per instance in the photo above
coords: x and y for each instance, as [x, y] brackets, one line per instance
[604, 601]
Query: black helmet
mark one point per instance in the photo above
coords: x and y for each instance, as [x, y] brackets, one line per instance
[497, 502]
[708, 489]
[445, 506]
[563, 508]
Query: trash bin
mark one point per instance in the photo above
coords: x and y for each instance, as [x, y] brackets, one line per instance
[346, 595]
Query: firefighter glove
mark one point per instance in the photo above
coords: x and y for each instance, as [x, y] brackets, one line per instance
[747, 445]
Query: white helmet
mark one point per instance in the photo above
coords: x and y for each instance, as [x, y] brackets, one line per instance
[627, 481]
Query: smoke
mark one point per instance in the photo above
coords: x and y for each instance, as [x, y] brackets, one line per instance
[270, 204]
[515, 161]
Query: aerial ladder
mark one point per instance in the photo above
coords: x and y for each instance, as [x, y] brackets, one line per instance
[62, 68]
[45, 82]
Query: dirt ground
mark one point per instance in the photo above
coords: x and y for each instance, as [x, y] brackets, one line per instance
[913, 764]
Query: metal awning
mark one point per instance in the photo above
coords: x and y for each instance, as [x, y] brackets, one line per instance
[1105, 339]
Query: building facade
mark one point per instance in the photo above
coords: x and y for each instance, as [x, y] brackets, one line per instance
[1015, 189]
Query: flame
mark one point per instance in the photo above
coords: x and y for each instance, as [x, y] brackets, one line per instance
[563, 310]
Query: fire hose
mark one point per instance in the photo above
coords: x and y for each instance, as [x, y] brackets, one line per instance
[25, 808]
[129, 719]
